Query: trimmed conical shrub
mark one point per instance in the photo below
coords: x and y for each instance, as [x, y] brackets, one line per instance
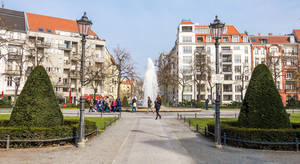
[37, 105]
[262, 106]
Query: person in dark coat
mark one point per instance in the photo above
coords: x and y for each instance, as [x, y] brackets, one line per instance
[157, 104]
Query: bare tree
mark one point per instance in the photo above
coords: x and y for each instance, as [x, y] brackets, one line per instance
[243, 77]
[200, 70]
[184, 78]
[125, 66]
[166, 76]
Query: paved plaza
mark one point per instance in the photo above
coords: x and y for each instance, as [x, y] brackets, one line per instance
[139, 138]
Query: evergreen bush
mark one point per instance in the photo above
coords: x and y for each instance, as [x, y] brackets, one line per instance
[125, 102]
[37, 105]
[262, 106]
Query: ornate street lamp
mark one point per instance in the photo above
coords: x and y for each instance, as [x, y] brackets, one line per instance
[84, 26]
[216, 30]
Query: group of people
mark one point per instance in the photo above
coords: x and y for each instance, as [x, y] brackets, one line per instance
[106, 105]
[157, 104]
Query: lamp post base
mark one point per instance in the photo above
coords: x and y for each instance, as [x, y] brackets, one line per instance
[81, 144]
[218, 146]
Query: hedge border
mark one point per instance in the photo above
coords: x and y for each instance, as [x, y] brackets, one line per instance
[33, 136]
[275, 139]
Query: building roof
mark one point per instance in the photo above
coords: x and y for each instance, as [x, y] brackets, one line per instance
[231, 30]
[12, 20]
[127, 82]
[51, 24]
[297, 34]
[269, 39]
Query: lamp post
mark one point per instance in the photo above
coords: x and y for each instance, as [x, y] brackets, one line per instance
[84, 25]
[216, 30]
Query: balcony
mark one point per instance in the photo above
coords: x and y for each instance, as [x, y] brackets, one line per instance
[226, 51]
[74, 75]
[11, 72]
[42, 44]
[65, 47]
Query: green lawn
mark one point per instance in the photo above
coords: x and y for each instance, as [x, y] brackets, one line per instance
[99, 121]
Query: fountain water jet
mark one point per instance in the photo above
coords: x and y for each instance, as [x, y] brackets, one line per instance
[150, 86]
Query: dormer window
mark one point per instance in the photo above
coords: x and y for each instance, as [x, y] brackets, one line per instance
[49, 30]
[263, 41]
[225, 39]
[245, 39]
[235, 38]
[199, 39]
[225, 30]
[41, 29]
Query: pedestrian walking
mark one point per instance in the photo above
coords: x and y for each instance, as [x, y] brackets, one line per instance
[114, 105]
[157, 104]
[149, 105]
[119, 105]
[133, 103]
[206, 104]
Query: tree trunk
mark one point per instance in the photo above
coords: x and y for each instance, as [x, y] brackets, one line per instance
[119, 82]
[242, 90]
[16, 93]
[182, 94]
[199, 93]
[166, 93]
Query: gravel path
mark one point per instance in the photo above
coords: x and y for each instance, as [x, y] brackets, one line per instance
[145, 140]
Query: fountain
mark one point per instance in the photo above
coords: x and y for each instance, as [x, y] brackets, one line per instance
[150, 86]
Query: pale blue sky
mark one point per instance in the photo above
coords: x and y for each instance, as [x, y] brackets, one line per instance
[147, 27]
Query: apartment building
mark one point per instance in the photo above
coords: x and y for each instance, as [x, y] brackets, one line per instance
[56, 44]
[281, 55]
[195, 46]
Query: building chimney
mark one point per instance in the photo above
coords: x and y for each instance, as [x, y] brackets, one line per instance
[270, 34]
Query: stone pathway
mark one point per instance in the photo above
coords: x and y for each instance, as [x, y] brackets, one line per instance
[145, 140]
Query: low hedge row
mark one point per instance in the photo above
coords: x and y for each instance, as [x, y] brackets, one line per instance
[69, 129]
[232, 130]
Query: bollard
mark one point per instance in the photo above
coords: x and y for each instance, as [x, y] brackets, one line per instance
[177, 115]
[120, 114]
[110, 122]
[115, 119]
[235, 115]
[180, 117]
[195, 115]
[224, 139]
[101, 114]
[205, 131]
[297, 145]
[97, 130]
[184, 119]
[189, 123]
[104, 125]
[197, 128]
[7, 142]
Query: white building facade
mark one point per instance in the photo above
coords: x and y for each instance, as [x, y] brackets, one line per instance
[234, 60]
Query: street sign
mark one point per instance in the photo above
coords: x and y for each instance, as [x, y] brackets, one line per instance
[218, 78]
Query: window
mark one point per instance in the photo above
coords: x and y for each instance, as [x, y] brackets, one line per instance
[236, 47]
[202, 30]
[225, 39]
[237, 69]
[278, 85]
[273, 49]
[9, 81]
[246, 59]
[253, 40]
[290, 85]
[263, 60]
[65, 90]
[238, 77]
[49, 30]
[256, 61]
[289, 75]
[186, 39]
[187, 97]
[208, 38]
[187, 77]
[187, 50]
[238, 98]
[188, 88]
[208, 49]
[227, 87]
[227, 77]
[245, 39]
[238, 88]
[263, 51]
[227, 97]
[256, 51]
[199, 39]
[237, 58]
[187, 59]
[187, 29]
[235, 38]
[246, 49]
[65, 81]
[187, 69]
[246, 77]
[40, 29]
[225, 30]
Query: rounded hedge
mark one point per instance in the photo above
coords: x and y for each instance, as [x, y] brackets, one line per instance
[68, 129]
[232, 130]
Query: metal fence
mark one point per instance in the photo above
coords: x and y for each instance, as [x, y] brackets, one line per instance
[106, 124]
[227, 138]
